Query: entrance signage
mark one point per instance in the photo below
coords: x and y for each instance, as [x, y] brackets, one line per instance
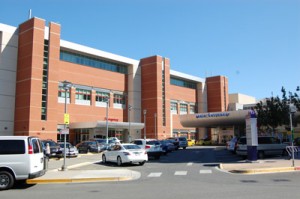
[251, 135]
[209, 115]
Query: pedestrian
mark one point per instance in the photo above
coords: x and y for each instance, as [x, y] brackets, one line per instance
[48, 150]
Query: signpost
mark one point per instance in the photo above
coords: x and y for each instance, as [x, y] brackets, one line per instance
[251, 135]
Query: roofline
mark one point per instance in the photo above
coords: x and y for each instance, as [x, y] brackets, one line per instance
[96, 52]
[186, 76]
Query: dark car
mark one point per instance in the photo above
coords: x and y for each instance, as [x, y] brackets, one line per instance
[55, 150]
[175, 141]
[88, 146]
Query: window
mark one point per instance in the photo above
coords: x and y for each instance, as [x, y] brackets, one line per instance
[12, 147]
[174, 107]
[62, 92]
[183, 108]
[192, 109]
[93, 62]
[82, 94]
[119, 99]
[102, 96]
[183, 83]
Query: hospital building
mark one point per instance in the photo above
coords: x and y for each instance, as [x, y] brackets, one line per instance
[50, 86]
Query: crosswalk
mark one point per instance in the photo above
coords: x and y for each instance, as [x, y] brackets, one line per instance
[178, 173]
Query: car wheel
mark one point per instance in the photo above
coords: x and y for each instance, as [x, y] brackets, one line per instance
[261, 155]
[103, 158]
[6, 180]
[119, 161]
[142, 163]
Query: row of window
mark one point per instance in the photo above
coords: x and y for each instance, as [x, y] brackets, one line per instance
[183, 108]
[183, 83]
[93, 62]
[85, 95]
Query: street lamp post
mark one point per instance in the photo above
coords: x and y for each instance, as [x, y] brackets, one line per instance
[292, 109]
[145, 112]
[66, 86]
[155, 126]
[107, 104]
[129, 122]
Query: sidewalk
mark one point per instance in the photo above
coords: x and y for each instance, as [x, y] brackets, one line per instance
[73, 174]
[261, 166]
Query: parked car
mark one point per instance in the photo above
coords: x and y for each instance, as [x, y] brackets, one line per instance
[125, 153]
[191, 142]
[55, 150]
[267, 146]
[183, 143]
[205, 141]
[21, 158]
[175, 141]
[231, 145]
[71, 151]
[152, 147]
[167, 146]
[88, 146]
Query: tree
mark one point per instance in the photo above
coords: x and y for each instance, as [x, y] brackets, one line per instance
[274, 111]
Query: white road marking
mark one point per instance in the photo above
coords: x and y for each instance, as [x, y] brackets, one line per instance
[189, 164]
[155, 175]
[180, 173]
[205, 171]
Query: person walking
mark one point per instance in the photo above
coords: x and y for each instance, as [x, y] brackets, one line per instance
[48, 150]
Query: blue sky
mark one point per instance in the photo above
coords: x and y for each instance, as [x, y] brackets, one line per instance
[255, 43]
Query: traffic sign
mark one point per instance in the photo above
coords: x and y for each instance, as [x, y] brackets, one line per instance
[66, 118]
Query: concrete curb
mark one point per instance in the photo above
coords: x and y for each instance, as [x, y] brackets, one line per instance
[261, 170]
[79, 180]
[81, 176]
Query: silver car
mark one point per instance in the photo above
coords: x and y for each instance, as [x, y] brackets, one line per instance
[267, 146]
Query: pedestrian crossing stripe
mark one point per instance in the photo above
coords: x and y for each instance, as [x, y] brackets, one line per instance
[205, 171]
[189, 164]
[180, 173]
[151, 175]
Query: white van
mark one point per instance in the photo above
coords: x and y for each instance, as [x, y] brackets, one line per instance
[21, 158]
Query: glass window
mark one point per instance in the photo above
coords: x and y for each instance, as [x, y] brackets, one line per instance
[102, 96]
[173, 107]
[93, 62]
[62, 92]
[119, 99]
[192, 109]
[12, 147]
[82, 94]
[183, 83]
[183, 108]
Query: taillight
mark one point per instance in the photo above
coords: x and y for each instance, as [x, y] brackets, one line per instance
[30, 149]
[147, 147]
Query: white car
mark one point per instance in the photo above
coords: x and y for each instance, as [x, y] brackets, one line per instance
[71, 151]
[125, 153]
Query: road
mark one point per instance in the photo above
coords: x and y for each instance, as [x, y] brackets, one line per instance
[182, 174]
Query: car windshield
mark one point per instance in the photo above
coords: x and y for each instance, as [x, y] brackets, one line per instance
[131, 146]
[50, 143]
[62, 145]
[152, 142]
[182, 139]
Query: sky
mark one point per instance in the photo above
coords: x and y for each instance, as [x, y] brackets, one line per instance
[254, 43]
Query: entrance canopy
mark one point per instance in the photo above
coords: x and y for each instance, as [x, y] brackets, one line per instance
[102, 124]
[214, 119]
